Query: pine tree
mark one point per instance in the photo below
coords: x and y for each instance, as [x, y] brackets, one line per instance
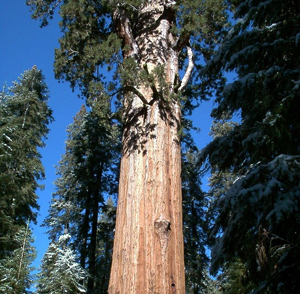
[88, 174]
[145, 44]
[15, 268]
[259, 219]
[24, 119]
[60, 272]
[64, 211]
[96, 168]
[194, 227]
[232, 277]
[196, 261]
[62, 221]
[106, 226]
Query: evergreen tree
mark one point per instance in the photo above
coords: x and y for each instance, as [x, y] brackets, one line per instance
[145, 44]
[97, 154]
[194, 228]
[259, 219]
[15, 267]
[88, 173]
[106, 226]
[233, 276]
[60, 272]
[195, 214]
[64, 211]
[24, 119]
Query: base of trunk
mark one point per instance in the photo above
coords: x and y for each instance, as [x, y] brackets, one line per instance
[148, 249]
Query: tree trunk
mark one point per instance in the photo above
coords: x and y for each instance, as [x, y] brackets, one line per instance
[96, 191]
[84, 231]
[148, 249]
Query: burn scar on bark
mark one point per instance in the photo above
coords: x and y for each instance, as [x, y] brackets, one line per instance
[163, 229]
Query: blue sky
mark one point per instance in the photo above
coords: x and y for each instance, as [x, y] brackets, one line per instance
[24, 44]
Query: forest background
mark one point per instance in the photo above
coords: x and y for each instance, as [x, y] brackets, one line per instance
[255, 165]
[24, 44]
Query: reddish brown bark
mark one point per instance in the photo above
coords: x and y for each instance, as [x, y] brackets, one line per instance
[148, 248]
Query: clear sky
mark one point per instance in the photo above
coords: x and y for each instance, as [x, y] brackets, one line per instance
[24, 44]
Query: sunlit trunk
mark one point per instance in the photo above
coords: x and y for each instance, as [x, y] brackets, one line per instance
[148, 249]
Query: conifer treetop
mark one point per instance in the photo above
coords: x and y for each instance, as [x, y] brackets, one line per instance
[105, 35]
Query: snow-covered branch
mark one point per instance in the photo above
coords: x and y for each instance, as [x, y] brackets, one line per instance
[25, 114]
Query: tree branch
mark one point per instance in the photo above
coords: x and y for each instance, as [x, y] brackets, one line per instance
[134, 91]
[189, 69]
[125, 32]
[278, 237]
[182, 41]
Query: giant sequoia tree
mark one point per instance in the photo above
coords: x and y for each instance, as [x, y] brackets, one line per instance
[259, 210]
[145, 44]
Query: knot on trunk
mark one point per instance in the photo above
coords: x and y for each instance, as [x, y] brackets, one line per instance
[163, 228]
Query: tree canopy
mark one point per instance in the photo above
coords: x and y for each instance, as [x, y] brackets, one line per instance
[91, 43]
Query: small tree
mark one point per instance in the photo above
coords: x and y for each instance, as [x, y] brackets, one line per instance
[60, 272]
[15, 267]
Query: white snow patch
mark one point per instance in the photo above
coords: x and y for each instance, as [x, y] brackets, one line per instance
[7, 137]
[272, 26]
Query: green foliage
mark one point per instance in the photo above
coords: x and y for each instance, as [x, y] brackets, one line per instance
[258, 219]
[196, 260]
[88, 174]
[220, 180]
[233, 279]
[202, 19]
[60, 272]
[15, 267]
[194, 219]
[24, 116]
[91, 43]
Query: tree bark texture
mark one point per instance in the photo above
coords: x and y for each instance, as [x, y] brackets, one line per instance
[148, 248]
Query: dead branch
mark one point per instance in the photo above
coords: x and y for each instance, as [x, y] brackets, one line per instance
[189, 69]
